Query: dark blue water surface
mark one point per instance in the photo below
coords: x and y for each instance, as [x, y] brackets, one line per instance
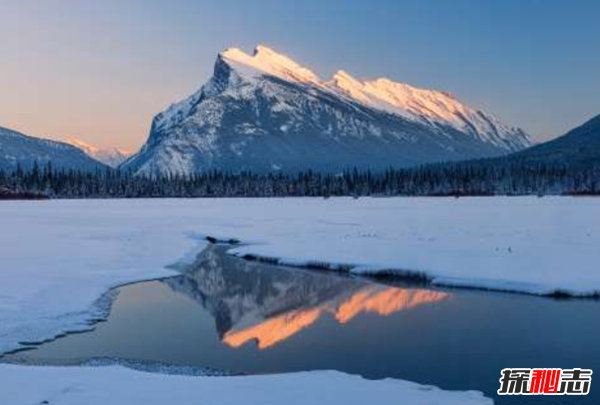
[227, 313]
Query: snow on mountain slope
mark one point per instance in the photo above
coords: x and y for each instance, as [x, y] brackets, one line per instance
[425, 106]
[112, 157]
[431, 108]
[267, 61]
[265, 113]
[17, 149]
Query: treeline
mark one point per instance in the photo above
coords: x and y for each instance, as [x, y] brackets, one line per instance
[479, 178]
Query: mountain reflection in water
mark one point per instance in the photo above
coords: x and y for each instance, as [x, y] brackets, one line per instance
[230, 314]
[266, 304]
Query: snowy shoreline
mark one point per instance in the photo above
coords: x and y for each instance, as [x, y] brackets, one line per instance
[120, 386]
[416, 277]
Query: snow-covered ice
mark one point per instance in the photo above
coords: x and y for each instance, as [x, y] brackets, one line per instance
[59, 257]
[120, 386]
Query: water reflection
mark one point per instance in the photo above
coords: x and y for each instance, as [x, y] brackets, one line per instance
[252, 302]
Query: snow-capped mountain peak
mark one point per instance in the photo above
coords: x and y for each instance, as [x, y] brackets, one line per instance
[265, 112]
[429, 107]
[267, 61]
[113, 156]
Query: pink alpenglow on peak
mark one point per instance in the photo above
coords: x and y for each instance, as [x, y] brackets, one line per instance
[425, 106]
[113, 156]
[267, 61]
[422, 105]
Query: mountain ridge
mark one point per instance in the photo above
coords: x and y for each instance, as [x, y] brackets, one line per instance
[112, 156]
[20, 150]
[581, 145]
[267, 102]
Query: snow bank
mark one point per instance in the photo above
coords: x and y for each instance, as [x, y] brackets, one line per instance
[541, 246]
[91, 386]
[57, 258]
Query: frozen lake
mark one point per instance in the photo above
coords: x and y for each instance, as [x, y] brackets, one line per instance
[59, 257]
[231, 314]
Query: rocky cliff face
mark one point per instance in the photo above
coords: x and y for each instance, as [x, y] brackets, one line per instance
[266, 113]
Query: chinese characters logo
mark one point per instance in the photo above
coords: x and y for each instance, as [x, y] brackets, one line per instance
[545, 381]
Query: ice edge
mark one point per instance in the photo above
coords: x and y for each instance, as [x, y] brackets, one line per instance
[416, 276]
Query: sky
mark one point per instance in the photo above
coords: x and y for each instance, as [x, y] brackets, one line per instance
[100, 70]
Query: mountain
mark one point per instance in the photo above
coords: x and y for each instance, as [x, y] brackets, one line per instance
[580, 146]
[567, 165]
[112, 157]
[18, 149]
[266, 113]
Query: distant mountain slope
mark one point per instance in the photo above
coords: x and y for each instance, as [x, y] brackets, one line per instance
[112, 157]
[17, 149]
[265, 113]
[579, 146]
[569, 164]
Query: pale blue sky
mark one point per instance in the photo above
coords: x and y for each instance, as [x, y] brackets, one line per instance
[99, 70]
